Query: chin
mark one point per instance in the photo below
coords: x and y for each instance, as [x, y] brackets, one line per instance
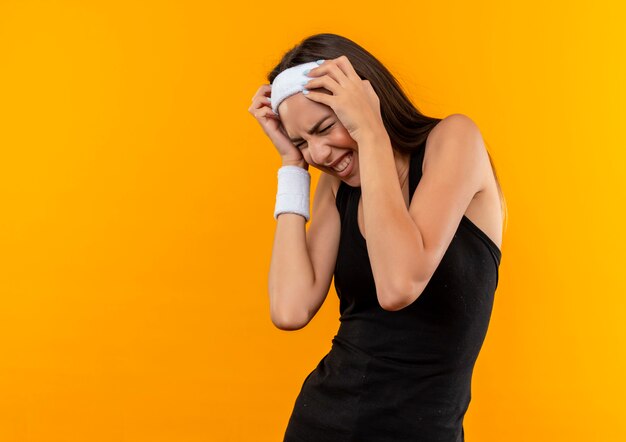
[353, 181]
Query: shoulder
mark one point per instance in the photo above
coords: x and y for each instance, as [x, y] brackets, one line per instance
[334, 183]
[455, 125]
[456, 138]
[327, 180]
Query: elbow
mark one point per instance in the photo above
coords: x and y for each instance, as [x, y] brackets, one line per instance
[288, 321]
[397, 298]
[392, 304]
[287, 325]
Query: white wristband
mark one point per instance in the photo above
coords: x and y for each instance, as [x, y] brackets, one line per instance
[294, 191]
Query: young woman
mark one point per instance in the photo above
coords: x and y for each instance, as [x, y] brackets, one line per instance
[407, 217]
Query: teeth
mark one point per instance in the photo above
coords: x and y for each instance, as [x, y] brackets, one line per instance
[344, 163]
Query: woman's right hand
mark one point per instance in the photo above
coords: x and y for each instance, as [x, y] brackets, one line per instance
[272, 126]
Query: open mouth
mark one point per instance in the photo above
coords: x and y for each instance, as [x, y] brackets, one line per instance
[345, 165]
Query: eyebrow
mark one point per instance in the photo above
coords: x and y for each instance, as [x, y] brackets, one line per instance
[313, 129]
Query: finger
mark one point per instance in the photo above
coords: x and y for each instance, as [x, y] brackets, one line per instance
[320, 97]
[264, 111]
[330, 68]
[346, 67]
[325, 82]
[260, 101]
[263, 90]
[336, 72]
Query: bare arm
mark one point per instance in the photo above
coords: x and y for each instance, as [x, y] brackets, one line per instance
[405, 257]
[303, 263]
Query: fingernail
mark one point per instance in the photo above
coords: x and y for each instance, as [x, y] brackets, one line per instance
[305, 91]
[269, 98]
[306, 72]
[319, 61]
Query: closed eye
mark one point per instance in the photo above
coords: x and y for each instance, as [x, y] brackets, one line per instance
[323, 130]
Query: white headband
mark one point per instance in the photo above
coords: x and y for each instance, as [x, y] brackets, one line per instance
[289, 82]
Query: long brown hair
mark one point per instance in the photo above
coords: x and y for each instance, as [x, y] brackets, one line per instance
[407, 127]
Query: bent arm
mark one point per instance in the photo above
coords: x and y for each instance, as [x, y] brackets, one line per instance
[291, 273]
[303, 263]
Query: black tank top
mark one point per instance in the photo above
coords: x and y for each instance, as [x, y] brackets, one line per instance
[419, 360]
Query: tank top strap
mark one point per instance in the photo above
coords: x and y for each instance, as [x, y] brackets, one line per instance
[415, 168]
[340, 198]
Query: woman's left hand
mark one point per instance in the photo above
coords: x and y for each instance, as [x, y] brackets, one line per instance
[354, 101]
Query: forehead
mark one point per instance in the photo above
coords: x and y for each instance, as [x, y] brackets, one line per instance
[296, 108]
[298, 113]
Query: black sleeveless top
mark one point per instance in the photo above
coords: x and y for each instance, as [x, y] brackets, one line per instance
[400, 375]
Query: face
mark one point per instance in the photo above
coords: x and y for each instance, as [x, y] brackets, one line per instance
[328, 143]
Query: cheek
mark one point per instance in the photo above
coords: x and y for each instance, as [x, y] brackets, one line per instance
[342, 137]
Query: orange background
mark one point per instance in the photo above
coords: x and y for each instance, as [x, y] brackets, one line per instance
[137, 198]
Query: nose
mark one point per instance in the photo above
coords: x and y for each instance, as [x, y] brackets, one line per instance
[320, 151]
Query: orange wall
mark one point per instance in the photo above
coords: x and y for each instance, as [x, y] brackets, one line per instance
[137, 196]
